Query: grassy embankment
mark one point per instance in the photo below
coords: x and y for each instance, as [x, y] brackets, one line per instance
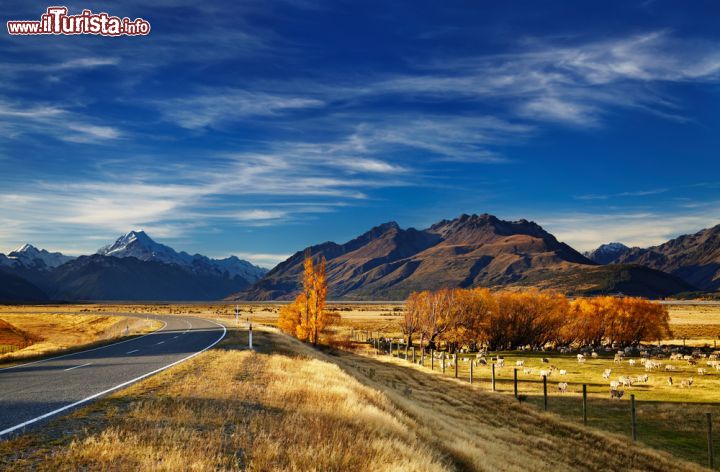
[36, 335]
[289, 407]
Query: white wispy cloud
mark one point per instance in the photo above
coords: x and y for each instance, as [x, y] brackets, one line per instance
[636, 193]
[20, 119]
[586, 230]
[210, 108]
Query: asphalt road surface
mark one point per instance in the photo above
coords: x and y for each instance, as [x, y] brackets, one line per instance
[34, 392]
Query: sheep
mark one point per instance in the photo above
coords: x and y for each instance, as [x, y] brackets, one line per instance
[669, 367]
[545, 360]
[580, 357]
[527, 371]
[482, 361]
[701, 371]
[687, 383]
[545, 373]
[643, 378]
[618, 359]
[594, 355]
[519, 363]
[625, 381]
[614, 384]
[562, 387]
[563, 372]
[614, 393]
[606, 373]
[631, 362]
[500, 363]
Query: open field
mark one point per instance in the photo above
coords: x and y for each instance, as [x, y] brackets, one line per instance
[289, 407]
[670, 418]
[50, 332]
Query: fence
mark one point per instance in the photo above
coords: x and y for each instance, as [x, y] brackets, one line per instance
[474, 373]
[7, 348]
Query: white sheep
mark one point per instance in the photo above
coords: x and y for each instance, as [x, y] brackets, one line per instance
[701, 371]
[687, 383]
[631, 362]
[527, 371]
[606, 373]
[614, 384]
[519, 363]
[562, 387]
[563, 372]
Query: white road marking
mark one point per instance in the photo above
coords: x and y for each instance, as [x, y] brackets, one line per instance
[175, 337]
[88, 350]
[134, 350]
[77, 366]
[111, 389]
[161, 342]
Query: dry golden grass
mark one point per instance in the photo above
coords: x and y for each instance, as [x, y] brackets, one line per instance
[289, 407]
[53, 332]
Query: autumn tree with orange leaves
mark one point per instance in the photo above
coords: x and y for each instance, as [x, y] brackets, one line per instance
[507, 320]
[306, 317]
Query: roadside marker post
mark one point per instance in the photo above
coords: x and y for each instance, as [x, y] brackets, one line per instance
[545, 392]
[493, 376]
[250, 346]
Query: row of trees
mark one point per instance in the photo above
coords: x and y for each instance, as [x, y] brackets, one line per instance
[306, 318]
[507, 320]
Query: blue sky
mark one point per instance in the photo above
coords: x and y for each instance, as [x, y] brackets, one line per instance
[257, 128]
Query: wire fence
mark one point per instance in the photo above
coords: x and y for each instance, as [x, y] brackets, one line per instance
[491, 373]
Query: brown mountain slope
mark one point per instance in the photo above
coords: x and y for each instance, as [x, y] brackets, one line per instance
[389, 262]
[694, 258]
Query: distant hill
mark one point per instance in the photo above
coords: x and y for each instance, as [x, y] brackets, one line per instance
[389, 262]
[15, 289]
[607, 253]
[695, 258]
[99, 277]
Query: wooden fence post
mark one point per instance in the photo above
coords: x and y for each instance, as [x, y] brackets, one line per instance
[432, 359]
[493, 376]
[585, 404]
[471, 371]
[632, 417]
[515, 383]
[545, 392]
[711, 452]
[455, 360]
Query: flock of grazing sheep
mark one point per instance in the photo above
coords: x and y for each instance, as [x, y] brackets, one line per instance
[650, 361]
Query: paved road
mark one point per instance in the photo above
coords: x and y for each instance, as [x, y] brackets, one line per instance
[31, 393]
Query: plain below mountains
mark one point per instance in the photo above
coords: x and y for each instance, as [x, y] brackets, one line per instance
[389, 262]
[134, 267]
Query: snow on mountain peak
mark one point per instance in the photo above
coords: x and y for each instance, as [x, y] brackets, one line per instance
[30, 256]
[141, 246]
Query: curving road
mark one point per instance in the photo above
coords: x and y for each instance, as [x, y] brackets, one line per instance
[33, 392]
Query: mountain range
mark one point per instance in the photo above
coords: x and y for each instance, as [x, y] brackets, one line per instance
[134, 267]
[389, 262]
[695, 258]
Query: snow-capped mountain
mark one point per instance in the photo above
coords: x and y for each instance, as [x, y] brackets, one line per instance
[607, 253]
[31, 257]
[139, 245]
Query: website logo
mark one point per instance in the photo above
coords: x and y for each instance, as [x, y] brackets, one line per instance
[57, 21]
